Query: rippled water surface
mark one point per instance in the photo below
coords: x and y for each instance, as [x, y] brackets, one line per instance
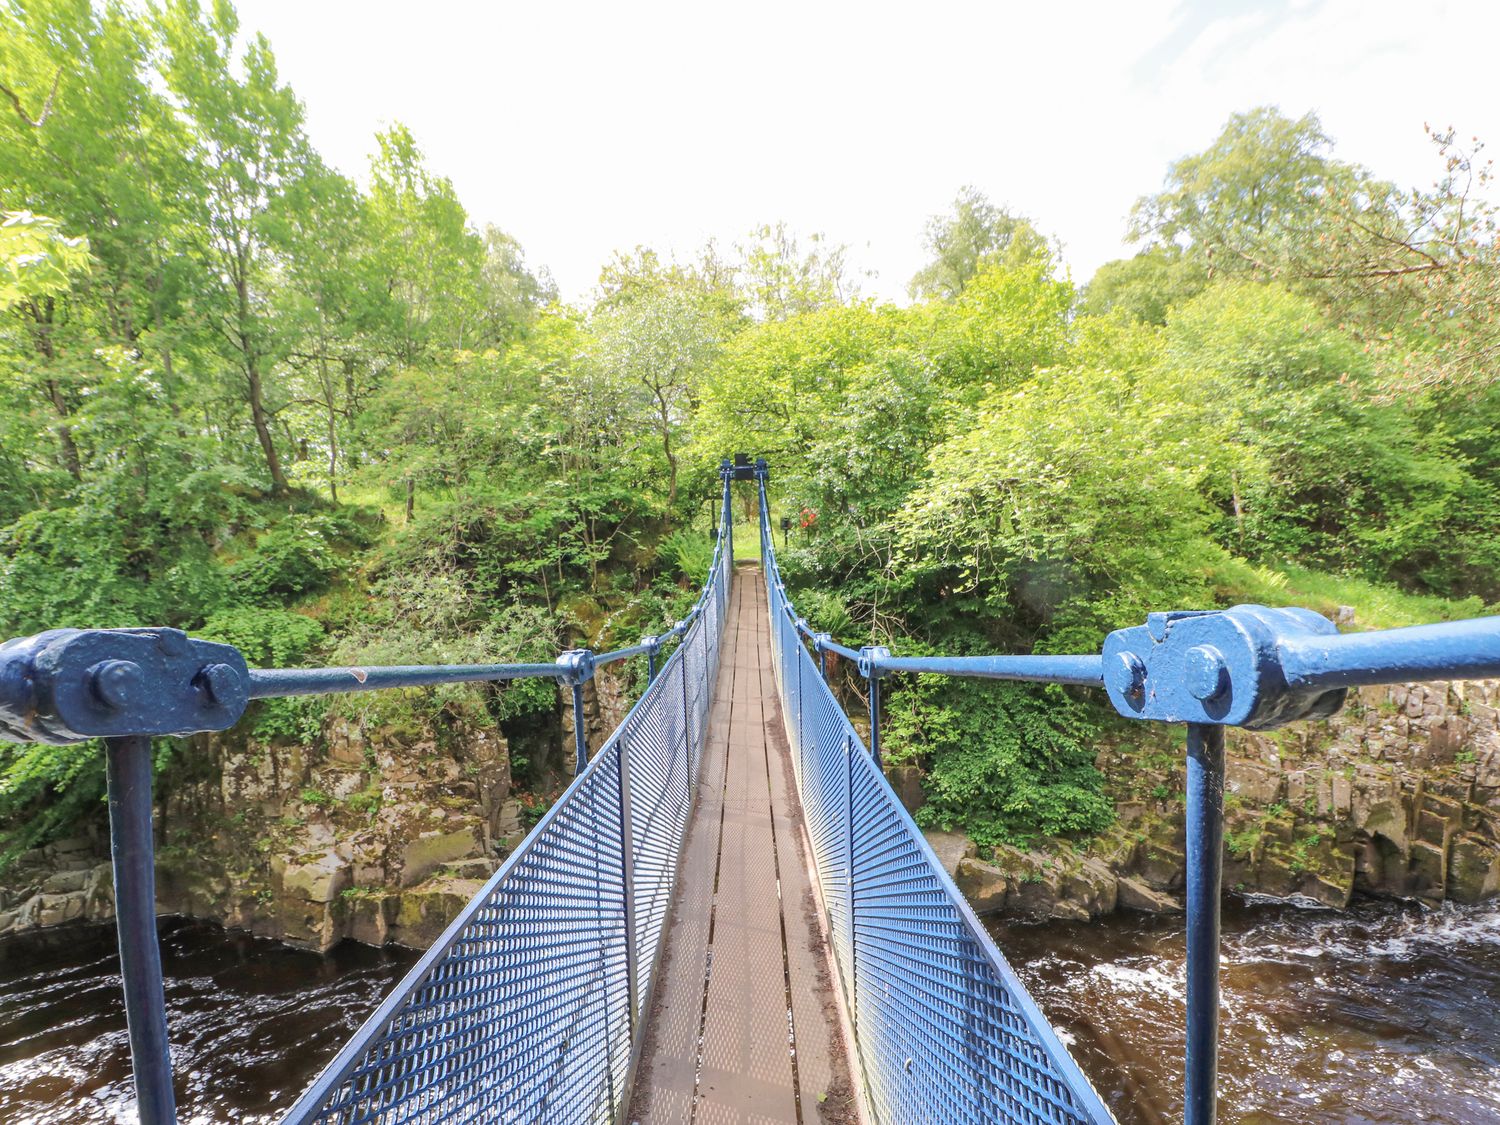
[1382, 1014]
[251, 1022]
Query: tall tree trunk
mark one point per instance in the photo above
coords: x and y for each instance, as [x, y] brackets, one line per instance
[664, 416]
[43, 316]
[253, 386]
[64, 432]
[262, 423]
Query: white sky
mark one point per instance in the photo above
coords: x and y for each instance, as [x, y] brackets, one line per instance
[583, 128]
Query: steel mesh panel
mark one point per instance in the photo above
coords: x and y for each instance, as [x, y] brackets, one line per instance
[656, 748]
[486, 1036]
[944, 1031]
[521, 1011]
[940, 1029]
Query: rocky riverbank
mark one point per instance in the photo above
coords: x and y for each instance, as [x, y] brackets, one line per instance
[379, 836]
[1398, 796]
[382, 836]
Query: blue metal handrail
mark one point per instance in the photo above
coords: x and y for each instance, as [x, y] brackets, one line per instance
[530, 1005]
[943, 1029]
[1248, 666]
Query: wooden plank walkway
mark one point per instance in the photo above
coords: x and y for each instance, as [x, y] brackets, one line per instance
[744, 1028]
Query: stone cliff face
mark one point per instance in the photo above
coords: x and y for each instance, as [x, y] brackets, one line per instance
[383, 838]
[372, 835]
[1398, 796]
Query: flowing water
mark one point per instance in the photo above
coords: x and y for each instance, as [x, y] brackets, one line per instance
[1385, 1013]
[1381, 1014]
[251, 1022]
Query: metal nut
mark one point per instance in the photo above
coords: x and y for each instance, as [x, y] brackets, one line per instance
[117, 683]
[1206, 674]
[1127, 675]
[220, 682]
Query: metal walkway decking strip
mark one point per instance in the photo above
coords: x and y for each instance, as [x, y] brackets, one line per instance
[744, 1027]
[674, 942]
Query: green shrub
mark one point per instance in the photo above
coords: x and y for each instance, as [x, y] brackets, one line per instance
[1004, 762]
[269, 638]
[292, 559]
[688, 553]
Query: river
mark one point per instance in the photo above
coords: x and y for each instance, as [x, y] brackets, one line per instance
[251, 1022]
[1385, 1013]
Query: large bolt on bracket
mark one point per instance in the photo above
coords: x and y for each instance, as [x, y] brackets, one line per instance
[69, 685]
[1224, 668]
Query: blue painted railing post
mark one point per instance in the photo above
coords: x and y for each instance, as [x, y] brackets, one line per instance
[580, 733]
[869, 667]
[578, 669]
[128, 777]
[1205, 854]
[652, 645]
[726, 473]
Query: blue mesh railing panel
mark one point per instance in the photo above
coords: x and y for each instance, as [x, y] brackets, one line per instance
[486, 1034]
[520, 1012]
[944, 1031]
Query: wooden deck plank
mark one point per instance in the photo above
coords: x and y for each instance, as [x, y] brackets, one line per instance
[822, 1072]
[738, 938]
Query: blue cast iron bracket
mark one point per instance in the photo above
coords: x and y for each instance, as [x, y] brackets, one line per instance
[870, 658]
[577, 667]
[1225, 668]
[69, 685]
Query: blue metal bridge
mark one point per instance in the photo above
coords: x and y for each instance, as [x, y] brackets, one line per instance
[728, 916]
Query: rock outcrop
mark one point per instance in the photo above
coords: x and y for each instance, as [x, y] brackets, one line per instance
[1398, 796]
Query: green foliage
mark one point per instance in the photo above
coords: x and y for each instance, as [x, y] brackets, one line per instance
[1240, 844]
[1147, 287]
[687, 554]
[295, 720]
[36, 259]
[1029, 509]
[976, 233]
[1260, 190]
[269, 638]
[1326, 471]
[1005, 762]
[44, 789]
[292, 559]
[214, 340]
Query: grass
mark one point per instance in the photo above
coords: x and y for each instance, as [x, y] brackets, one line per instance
[1375, 606]
[747, 533]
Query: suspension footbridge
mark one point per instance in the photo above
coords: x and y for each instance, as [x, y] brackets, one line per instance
[728, 917]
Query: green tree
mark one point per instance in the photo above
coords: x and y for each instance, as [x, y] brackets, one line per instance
[1262, 193]
[1147, 287]
[248, 148]
[973, 234]
[431, 261]
[660, 339]
[780, 280]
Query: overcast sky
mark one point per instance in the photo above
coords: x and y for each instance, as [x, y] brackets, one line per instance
[583, 128]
